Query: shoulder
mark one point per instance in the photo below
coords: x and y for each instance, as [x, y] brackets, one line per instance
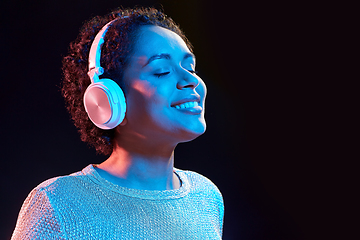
[197, 178]
[57, 187]
[200, 183]
[205, 193]
[55, 182]
[42, 213]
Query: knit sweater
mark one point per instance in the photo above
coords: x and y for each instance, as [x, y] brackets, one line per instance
[84, 205]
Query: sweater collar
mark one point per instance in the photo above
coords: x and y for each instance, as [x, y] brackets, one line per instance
[94, 176]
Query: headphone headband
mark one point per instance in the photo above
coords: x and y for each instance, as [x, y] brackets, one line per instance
[95, 70]
[104, 100]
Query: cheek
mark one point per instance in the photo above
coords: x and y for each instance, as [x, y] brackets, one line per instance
[139, 97]
[145, 97]
[143, 88]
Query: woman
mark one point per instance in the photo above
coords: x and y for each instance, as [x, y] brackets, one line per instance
[136, 193]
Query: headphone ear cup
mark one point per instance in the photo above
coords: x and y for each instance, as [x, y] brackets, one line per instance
[105, 103]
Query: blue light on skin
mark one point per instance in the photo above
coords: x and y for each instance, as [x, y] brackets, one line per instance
[165, 106]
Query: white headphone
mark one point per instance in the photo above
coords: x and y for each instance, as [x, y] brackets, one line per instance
[104, 100]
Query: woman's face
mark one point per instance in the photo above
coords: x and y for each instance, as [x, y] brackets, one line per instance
[164, 96]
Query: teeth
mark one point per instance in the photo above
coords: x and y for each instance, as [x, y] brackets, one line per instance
[187, 105]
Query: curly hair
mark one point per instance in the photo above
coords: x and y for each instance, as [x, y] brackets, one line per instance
[115, 52]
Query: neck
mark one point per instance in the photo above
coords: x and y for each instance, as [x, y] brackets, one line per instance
[141, 167]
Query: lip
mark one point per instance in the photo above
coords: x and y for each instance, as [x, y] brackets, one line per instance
[192, 98]
[192, 110]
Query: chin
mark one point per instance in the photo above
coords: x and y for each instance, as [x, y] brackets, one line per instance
[191, 134]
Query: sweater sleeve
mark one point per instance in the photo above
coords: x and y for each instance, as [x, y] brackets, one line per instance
[37, 219]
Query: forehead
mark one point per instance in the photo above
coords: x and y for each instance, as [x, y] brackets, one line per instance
[154, 40]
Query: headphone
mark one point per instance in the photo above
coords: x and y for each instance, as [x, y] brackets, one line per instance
[104, 100]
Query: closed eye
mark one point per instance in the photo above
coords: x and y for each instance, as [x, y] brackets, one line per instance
[161, 74]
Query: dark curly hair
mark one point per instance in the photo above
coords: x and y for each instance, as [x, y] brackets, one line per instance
[118, 46]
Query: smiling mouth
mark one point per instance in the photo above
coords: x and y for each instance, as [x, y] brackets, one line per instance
[191, 107]
[187, 105]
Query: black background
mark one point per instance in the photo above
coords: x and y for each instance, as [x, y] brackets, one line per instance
[264, 147]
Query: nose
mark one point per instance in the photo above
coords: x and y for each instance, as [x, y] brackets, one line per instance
[188, 80]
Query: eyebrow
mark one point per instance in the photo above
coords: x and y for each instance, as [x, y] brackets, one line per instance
[167, 56]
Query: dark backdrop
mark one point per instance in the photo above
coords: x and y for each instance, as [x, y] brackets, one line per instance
[263, 142]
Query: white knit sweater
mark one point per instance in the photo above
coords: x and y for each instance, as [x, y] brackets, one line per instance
[84, 205]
